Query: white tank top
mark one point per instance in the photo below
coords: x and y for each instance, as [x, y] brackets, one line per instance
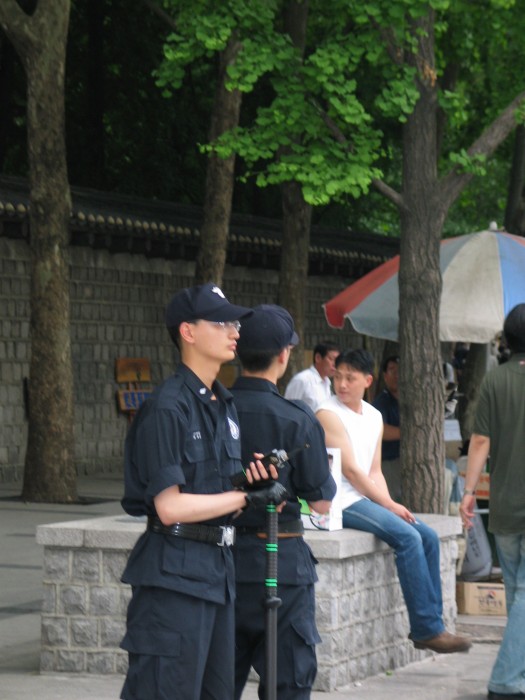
[363, 430]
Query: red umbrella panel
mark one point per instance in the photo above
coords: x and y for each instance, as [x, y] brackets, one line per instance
[483, 279]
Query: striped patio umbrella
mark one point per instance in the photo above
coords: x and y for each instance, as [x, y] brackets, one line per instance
[483, 279]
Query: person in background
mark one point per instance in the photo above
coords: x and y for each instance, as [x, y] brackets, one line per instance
[313, 385]
[180, 452]
[387, 403]
[356, 427]
[268, 421]
[499, 433]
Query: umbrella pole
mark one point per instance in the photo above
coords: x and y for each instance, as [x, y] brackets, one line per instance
[272, 601]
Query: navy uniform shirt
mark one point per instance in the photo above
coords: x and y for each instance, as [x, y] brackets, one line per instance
[180, 436]
[269, 421]
[388, 406]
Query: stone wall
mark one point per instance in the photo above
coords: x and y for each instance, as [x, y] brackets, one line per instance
[117, 307]
[360, 610]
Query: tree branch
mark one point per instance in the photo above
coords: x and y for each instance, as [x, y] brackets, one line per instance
[394, 51]
[15, 23]
[338, 135]
[454, 182]
[389, 192]
[165, 17]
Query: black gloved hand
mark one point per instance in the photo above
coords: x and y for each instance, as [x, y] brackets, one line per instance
[258, 485]
[273, 493]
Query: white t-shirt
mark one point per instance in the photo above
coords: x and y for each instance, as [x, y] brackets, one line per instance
[310, 387]
[364, 430]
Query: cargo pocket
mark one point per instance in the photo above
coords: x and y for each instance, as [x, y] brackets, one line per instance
[151, 664]
[303, 650]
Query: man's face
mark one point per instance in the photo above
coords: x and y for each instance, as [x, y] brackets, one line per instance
[326, 365]
[350, 384]
[391, 376]
[215, 341]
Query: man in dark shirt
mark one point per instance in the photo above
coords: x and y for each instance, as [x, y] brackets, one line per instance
[498, 433]
[387, 403]
[181, 450]
[269, 421]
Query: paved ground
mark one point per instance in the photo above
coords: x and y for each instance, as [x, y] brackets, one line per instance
[454, 677]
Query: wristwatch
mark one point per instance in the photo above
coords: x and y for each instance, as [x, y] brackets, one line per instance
[469, 492]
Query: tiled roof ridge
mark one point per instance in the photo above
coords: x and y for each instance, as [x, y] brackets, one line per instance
[92, 209]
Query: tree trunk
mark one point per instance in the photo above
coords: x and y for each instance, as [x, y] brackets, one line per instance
[421, 379]
[297, 218]
[219, 179]
[423, 204]
[515, 210]
[293, 276]
[40, 40]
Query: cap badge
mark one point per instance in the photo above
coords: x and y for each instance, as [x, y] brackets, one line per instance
[218, 291]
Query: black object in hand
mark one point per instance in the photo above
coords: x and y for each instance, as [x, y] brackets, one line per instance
[276, 457]
[275, 493]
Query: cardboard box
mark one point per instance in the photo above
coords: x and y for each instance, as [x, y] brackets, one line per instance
[333, 520]
[483, 487]
[481, 598]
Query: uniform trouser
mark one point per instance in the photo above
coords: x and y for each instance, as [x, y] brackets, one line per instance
[296, 639]
[179, 647]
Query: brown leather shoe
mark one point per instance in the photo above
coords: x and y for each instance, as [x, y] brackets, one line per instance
[444, 643]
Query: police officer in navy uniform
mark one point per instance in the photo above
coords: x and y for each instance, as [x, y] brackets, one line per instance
[269, 421]
[181, 450]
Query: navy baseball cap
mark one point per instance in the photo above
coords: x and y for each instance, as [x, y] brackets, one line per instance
[206, 302]
[270, 327]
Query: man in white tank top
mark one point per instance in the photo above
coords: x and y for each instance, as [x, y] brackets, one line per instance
[356, 428]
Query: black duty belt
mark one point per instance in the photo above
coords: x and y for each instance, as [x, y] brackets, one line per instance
[291, 528]
[220, 535]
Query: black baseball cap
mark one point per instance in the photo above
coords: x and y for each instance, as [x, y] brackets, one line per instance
[206, 302]
[270, 327]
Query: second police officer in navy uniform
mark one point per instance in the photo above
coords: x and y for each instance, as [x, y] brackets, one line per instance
[269, 421]
[181, 451]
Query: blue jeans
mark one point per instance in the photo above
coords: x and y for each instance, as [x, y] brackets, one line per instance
[416, 550]
[508, 674]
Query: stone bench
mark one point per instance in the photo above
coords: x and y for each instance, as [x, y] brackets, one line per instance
[360, 611]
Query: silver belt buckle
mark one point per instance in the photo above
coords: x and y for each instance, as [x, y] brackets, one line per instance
[228, 537]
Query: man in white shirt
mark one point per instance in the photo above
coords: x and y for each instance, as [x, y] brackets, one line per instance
[313, 385]
[356, 428]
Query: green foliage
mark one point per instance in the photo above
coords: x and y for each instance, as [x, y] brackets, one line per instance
[205, 28]
[482, 201]
[330, 120]
[289, 139]
[333, 122]
[520, 114]
[476, 164]
[399, 96]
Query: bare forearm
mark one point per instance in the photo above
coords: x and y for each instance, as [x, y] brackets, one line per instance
[321, 507]
[477, 457]
[373, 488]
[175, 507]
[391, 432]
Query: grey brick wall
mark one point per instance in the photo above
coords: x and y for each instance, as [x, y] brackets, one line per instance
[117, 306]
[360, 611]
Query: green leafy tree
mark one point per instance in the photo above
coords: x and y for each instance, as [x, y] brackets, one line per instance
[370, 64]
[204, 32]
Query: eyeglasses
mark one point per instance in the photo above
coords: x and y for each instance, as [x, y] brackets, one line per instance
[227, 325]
